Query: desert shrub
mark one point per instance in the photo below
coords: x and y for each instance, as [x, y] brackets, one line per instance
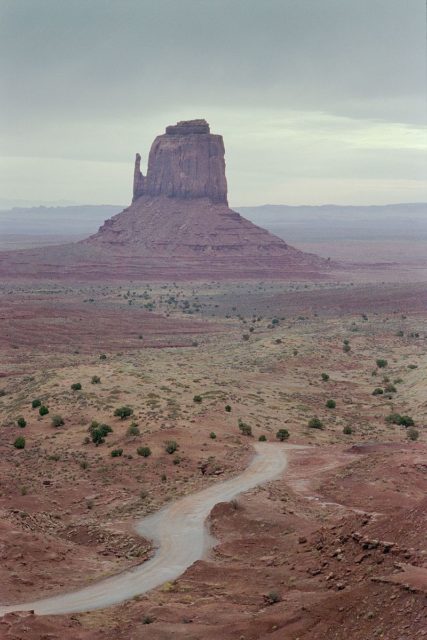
[282, 434]
[381, 363]
[116, 453]
[57, 421]
[315, 423]
[325, 377]
[147, 620]
[400, 333]
[347, 430]
[133, 430]
[331, 404]
[99, 432]
[102, 356]
[145, 452]
[227, 408]
[36, 403]
[19, 443]
[390, 388]
[76, 386]
[198, 399]
[245, 336]
[398, 380]
[84, 464]
[272, 597]
[413, 434]
[346, 341]
[346, 348]
[95, 380]
[262, 438]
[43, 411]
[412, 366]
[123, 412]
[177, 460]
[171, 446]
[2, 393]
[212, 435]
[377, 391]
[245, 428]
[21, 422]
[396, 418]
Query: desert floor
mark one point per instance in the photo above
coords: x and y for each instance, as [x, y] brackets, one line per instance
[335, 548]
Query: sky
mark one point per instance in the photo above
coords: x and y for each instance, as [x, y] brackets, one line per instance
[319, 101]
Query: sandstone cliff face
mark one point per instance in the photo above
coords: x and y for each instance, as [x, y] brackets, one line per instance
[186, 162]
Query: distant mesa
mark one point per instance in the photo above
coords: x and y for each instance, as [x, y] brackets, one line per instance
[178, 226]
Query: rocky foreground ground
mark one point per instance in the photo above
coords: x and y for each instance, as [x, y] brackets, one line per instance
[334, 549]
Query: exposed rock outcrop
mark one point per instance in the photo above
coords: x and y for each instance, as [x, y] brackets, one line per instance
[185, 162]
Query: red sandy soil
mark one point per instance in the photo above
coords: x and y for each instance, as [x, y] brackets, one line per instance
[337, 573]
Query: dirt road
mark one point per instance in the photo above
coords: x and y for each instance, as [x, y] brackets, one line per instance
[180, 535]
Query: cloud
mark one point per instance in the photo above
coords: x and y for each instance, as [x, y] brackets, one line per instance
[300, 82]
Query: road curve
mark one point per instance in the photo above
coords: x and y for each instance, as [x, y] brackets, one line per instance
[179, 533]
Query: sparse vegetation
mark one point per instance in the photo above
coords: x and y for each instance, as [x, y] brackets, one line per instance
[43, 411]
[95, 380]
[99, 432]
[197, 399]
[76, 386]
[315, 423]
[262, 438]
[282, 435]
[413, 434]
[145, 452]
[57, 421]
[36, 403]
[377, 391]
[396, 418]
[21, 422]
[381, 363]
[347, 430]
[212, 435]
[123, 412]
[19, 442]
[116, 453]
[228, 408]
[245, 428]
[331, 404]
[325, 377]
[171, 446]
[133, 430]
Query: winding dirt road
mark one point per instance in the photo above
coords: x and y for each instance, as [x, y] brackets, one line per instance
[180, 535]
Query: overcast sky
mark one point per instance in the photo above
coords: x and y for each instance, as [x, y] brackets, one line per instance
[318, 101]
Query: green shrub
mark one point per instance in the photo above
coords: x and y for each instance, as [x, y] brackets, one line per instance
[171, 446]
[377, 391]
[102, 356]
[315, 423]
[123, 412]
[245, 429]
[396, 418]
[331, 404]
[228, 408]
[413, 434]
[282, 434]
[198, 399]
[43, 411]
[346, 348]
[325, 377]
[19, 443]
[381, 363]
[262, 438]
[272, 597]
[412, 366]
[95, 380]
[76, 386]
[406, 421]
[116, 453]
[99, 432]
[145, 452]
[133, 430]
[347, 430]
[21, 422]
[57, 421]
[212, 435]
[36, 403]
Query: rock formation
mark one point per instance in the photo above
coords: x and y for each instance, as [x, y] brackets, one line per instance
[185, 162]
[179, 226]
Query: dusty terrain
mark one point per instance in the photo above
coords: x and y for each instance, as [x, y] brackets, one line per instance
[334, 549]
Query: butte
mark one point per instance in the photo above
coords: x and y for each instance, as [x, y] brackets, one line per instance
[178, 227]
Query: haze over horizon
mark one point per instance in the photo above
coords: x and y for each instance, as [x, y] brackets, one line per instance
[317, 102]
